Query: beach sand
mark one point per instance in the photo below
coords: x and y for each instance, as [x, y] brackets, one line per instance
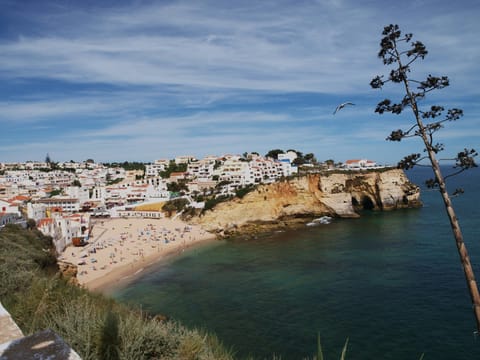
[119, 249]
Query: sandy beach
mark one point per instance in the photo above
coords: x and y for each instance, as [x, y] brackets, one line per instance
[121, 248]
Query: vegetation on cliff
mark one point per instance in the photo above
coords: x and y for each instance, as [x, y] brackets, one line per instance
[38, 297]
[96, 327]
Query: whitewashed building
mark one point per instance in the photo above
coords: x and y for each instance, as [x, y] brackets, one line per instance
[64, 228]
[61, 203]
[184, 159]
[9, 213]
[236, 171]
[289, 155]
[80, 193]
[201, 169]
[9, 208]
[360, 164]
[154, 170]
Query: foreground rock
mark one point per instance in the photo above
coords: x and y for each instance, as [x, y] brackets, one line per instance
[336, 194]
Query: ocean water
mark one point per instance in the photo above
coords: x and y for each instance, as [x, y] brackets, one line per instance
[389, 282]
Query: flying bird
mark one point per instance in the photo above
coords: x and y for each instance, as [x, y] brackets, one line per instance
[341, 106]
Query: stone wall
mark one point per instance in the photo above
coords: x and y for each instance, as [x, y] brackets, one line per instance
[41, 345]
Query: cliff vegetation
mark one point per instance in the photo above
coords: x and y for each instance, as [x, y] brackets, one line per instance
[38, 297]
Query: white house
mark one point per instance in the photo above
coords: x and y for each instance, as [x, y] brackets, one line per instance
[202, 169]
[9, 213]
[153, 170]
[201, 186]
[36, 211]
[267, 169]
[63, 228]
[9, 208]
[289, 155]
[65, 204]
[80, 193]
[185, 159]
[286, 168]
[359, 164]
[10, 218]
[236, 171]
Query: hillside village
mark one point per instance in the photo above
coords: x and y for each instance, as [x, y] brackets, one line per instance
[63, 198]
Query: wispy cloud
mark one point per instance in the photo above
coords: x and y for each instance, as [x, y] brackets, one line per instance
[266, 46]
[298, 49]
[145, 79]
[38, 110]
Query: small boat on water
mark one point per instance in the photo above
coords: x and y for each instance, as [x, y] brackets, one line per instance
[324, 220]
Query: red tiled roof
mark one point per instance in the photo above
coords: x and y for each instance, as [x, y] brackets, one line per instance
[358, 160]
[44, 221]
[19, 198]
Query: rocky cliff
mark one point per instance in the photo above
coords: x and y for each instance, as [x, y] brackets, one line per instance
[69, 271]
[336, 194]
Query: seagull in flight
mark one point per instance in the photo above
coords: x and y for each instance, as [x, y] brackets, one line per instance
[341, 106]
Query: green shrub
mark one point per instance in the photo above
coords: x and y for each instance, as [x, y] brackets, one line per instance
[240, 193]
[211, 203]
[95, 326]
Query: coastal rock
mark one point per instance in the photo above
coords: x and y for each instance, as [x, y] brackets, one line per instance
[68, 271]
[374, 190]
[336, 194]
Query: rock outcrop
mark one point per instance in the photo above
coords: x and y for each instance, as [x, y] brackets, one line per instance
[337, 194]
[68, 271]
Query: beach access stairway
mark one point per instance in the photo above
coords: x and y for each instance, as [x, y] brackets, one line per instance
[41, 345]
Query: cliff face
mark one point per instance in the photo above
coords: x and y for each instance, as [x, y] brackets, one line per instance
[332, 194]
[68, 271]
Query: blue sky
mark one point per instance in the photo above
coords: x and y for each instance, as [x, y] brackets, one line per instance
[143, 80]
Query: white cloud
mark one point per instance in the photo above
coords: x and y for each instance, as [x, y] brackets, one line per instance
[298, 49]
[208, 74]
[38, 110]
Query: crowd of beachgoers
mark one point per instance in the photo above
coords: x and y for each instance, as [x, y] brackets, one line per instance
[120, 248]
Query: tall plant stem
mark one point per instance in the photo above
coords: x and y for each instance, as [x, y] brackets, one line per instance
[457, 233]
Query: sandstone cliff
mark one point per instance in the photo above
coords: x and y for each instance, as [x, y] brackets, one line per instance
[69, 271]
[337, 194]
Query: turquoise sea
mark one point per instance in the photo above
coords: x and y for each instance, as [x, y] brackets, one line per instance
[389, 282]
